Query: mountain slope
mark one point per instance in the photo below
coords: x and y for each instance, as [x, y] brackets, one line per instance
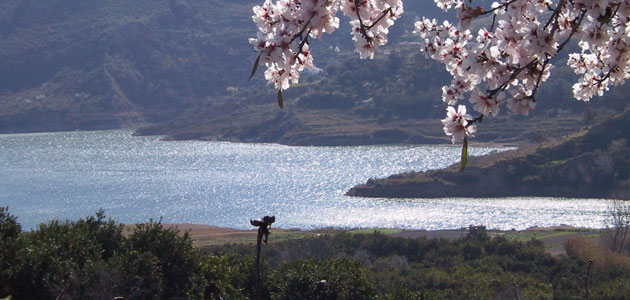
[116, 63]
[179, 68]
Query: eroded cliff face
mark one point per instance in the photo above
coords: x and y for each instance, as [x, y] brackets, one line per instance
[594, 163]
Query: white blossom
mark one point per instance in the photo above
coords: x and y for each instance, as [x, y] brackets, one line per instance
[512, 56]
[456, 123]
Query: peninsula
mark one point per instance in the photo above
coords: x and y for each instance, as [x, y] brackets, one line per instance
[593, 163]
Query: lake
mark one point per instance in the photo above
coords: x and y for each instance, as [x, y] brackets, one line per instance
[73, 174]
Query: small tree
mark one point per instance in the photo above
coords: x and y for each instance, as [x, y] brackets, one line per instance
[619, 220]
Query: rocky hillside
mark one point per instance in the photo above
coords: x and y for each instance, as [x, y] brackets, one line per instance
[179, 68]
[594, 163]
[76, 64]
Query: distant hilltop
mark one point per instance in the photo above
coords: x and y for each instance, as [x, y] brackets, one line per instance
[179, 69]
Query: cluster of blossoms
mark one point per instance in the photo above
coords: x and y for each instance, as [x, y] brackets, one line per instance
[285, 27]
[502, 58]
[507, 61]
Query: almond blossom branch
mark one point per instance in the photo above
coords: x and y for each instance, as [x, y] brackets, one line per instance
[301, 32]
[492, 10]
[387, 11]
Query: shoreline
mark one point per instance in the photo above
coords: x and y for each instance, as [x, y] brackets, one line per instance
[166, 138]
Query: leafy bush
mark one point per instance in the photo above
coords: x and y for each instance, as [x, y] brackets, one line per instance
[9, 232]
[344, 279]
[234, 274]
[174, 258]
[152, 263]
[49, 255]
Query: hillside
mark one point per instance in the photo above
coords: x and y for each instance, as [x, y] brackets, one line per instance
[69, 64]
[179, 68]
[594, 163]
[392, 99]
[75, 64]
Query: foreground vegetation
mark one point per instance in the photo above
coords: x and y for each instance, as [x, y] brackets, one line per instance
[154, 262]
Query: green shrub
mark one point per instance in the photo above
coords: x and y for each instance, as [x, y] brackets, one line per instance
[345, 279]
[152, 263]
[9, 232]
[56, 250]
[234, 275]
[176, 258]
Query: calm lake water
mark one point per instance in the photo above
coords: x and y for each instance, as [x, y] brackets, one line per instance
[73, 174]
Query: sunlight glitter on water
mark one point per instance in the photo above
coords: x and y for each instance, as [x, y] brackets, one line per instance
[73, 174]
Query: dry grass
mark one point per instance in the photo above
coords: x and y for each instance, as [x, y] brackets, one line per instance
[603, 258]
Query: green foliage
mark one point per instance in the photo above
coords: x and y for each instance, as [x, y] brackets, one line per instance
[154, 262]
[477, 233]
[49, 255]
[174, 255]
[345, 279]
[234, 274]
[9, 232]
[398, 268]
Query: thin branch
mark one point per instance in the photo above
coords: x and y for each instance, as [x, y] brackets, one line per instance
[554, 17]
[603, 78]
[475, 120]
[542, 72]
[515, 73]
[362, 27]
[302, 43]
[515, 290]
[65, 289]
[301, 32]
[504, 5]
[573, 31]
[588, 279]
[494, 19]
[387, 11]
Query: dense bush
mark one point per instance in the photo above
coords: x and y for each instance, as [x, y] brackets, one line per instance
[175, 257]
[9, 232]
[151, 261]
[344, 279]
[468, 268]
[57, 250]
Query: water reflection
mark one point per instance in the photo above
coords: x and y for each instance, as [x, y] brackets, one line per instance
[73, 174]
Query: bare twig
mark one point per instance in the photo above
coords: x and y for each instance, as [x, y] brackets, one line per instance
[385, 12]
[504, 5]
[515, 290]
[588, 279]
[212, 290]
[65, 289]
